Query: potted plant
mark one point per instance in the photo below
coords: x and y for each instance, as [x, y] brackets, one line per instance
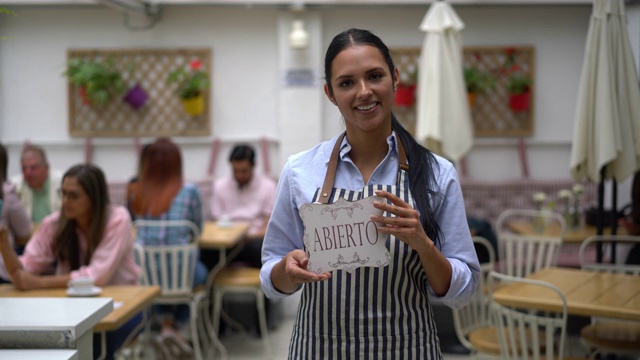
[98, 81]
[406, 90]
[477, 82]
[518, 87]
[191, 82]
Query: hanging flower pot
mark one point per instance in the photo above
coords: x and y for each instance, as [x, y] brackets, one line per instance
[519, 102]
[405, 95]
[194, 106]
[136, 97]
[471, 97]
[83, 96]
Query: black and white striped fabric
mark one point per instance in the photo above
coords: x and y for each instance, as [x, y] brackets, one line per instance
[372, 312]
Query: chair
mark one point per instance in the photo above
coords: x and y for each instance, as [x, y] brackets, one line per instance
[240, 279]
[604, 336]
[523, 334]
[473, 323]
[522, 254]
[172, 267]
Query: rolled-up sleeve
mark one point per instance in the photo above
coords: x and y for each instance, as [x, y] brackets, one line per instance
[457, 245]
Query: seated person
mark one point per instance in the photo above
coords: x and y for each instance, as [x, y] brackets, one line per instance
[13, 215]
[88, 237]
[245, 196]
[38, 187]
[161, 194]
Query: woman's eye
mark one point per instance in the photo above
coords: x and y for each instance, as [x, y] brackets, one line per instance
[345, 83]
[375, 76]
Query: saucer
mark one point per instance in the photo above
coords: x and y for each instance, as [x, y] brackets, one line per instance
[95, 290]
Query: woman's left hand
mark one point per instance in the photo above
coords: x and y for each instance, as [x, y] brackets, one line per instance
[405, 225]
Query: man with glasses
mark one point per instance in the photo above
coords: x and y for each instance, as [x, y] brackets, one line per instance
[37, 186]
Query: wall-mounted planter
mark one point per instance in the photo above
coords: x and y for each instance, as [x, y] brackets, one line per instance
[194, 106]
[405, 95]
[471, 97]
[136, 97]
[519, 102]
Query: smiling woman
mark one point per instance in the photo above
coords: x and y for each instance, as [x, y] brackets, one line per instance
[431, 253]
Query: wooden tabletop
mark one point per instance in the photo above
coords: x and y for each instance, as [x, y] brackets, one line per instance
[222, 237]
[588, 293]
[571, 236]
[128, 301]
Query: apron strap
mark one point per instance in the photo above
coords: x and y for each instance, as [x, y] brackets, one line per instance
[330, 177]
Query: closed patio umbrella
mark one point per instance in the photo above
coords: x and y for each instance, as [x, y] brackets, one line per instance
[606, 138]
[443, 122]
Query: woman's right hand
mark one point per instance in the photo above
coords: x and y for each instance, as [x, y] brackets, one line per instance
[291, 272]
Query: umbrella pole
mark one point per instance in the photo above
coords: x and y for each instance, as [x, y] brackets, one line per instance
[614, 217]
[600, 215]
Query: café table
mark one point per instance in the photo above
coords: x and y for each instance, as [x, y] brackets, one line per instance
[51, 322]
[588, 293]
[571, 236]
[220, 238]
[128, 300]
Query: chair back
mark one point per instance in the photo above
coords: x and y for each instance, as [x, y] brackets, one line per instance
[524, 334]
[476, 313]
[139, 258]
[522, 254]
[587, 255]
[172, 267]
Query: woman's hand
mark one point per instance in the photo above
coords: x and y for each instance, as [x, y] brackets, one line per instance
[405, 225]
[291, 272]
[23, 280]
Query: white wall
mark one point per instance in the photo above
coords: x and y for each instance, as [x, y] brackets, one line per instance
[249, 54]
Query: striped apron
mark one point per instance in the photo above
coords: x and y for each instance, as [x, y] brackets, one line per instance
[372, 312]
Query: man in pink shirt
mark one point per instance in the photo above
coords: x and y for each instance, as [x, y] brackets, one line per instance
[245, 196]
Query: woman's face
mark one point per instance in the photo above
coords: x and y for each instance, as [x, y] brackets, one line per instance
[75, 202]
[362, 88]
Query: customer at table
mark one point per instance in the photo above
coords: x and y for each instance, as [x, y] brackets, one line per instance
[13, 214]
[38, 186]
[371, 312]
[88, 237]
[161, 194]
[245, 196]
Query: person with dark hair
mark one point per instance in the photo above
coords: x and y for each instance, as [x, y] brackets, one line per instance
[245, 196]
[38, 186]
[88, 237]
[12, 214]
[371, 312]
[161, 194]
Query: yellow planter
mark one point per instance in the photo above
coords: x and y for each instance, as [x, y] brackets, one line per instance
[194, 106]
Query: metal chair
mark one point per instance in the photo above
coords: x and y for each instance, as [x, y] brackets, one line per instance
[605, 336]
[241, 279]
[473, 323]
[523, 334]
[172, 267]
[523, 254]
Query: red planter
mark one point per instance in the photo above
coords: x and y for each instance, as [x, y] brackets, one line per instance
[405, 95]
[519, 102]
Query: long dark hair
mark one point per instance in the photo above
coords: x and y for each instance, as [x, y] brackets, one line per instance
[65, 245]
[422, 162]
[4, 161]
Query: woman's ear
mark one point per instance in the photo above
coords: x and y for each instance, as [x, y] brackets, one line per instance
[396, 78]
[329, 95]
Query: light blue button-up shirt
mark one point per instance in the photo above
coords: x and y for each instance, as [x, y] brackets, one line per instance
[304, 173]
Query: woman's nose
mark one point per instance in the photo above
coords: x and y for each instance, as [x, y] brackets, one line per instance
[363, 88]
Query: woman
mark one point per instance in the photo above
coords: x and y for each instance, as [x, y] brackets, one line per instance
[373, 312]
[161, 194]
[86, 238]
[13, 215]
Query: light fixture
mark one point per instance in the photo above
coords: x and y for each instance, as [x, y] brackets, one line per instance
[299, 37]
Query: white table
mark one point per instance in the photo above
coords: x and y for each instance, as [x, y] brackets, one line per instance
[38, 354]
[52, 323]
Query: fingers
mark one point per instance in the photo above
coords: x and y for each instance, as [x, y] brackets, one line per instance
[394, 199]
[296, 269]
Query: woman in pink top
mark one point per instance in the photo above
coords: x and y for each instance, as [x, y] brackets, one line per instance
[87, 237]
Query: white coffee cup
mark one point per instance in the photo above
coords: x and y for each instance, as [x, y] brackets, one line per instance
[225, 222]
[81, 285]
